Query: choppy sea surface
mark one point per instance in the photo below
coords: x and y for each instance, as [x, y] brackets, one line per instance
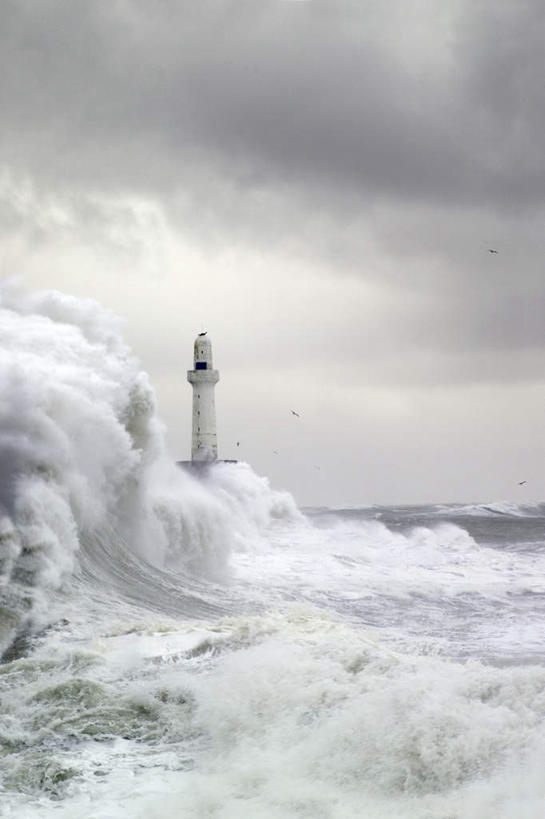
[206, 650]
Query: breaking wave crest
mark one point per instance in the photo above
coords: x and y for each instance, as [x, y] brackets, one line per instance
[494, 509]
[83, 464]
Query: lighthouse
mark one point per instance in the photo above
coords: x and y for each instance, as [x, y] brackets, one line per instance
[203, 378]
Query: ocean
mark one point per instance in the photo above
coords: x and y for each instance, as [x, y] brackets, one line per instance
[203, 649]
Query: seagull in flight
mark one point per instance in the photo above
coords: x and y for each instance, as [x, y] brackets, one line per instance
[491, 250]
[521, 483]
[295, 413]
[203, 334]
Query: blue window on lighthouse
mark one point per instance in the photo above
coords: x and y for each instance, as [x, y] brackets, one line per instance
[201, 365]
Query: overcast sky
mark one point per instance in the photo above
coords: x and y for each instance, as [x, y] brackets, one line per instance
[318, 184]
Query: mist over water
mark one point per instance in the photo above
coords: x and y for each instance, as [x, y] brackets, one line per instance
[202, 648]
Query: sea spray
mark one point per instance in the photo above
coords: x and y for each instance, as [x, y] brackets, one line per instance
[83, 462]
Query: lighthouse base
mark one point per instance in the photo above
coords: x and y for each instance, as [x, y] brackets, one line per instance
[201, 467]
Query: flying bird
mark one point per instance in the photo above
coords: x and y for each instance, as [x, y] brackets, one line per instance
[295, 413]
[203, 334]
[521, 483]
[238, 443]
[491, 250]
[275, 452]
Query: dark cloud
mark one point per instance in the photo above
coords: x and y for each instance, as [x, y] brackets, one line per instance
[132, 94]
[392, 142]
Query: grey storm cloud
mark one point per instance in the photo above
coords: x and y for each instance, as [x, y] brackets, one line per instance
[139, 94]
[316, 125]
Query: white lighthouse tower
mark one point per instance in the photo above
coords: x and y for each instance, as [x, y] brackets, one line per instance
[203, 379]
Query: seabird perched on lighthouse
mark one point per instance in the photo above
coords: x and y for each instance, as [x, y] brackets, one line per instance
[203, 378]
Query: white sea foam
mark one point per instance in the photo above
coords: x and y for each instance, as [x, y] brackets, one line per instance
[366, 557]
[288, 715]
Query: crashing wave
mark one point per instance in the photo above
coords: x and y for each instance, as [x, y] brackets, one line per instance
[83, 461]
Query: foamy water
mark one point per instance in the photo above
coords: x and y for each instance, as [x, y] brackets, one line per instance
[195, 649]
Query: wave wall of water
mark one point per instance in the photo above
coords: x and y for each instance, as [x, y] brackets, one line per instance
[84, 474]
